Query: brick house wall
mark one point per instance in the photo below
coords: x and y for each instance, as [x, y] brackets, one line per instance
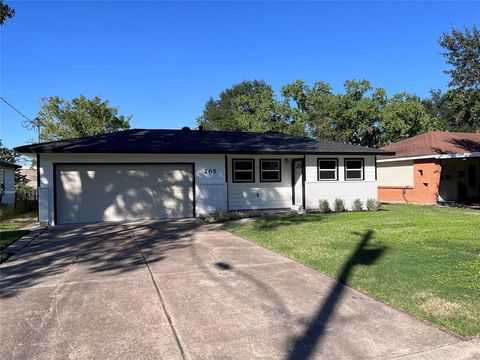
[425, 188]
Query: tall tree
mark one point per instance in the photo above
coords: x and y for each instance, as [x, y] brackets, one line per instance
[60, 119]
[459, 107]
[405, 116]
[462, 51]
[247, 106]
[350, 117]
[6, 12]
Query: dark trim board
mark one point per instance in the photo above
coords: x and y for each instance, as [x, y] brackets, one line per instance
[336, 169]
[56, 164]
[345, 168]
[375, 159]
[260, 170]
[233, 170]
[38, 187]
[303, 180]
[304, 175]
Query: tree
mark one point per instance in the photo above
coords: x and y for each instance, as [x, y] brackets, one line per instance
[307, 108]
[405, 116]
[456, 109]
[247, 106]
[463, 54]
[351, 117]
[12, 156]
[60, 119]
[7, 154]
[6, 12]
[459, 107]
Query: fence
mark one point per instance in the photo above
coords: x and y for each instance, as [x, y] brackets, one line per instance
[26, 200]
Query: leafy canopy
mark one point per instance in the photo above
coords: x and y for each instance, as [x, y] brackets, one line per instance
[6, 12]
[247, 106]
[60, 119]
[462, 51]
[361, 115]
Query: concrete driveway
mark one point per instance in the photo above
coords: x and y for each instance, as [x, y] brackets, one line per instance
[180, 289]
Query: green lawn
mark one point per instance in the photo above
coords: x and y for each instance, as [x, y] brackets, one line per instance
[9, 232]
[421, 259]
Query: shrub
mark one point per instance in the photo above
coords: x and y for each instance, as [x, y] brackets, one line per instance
[219, 215]
[357, 205]
[324, 206]
[373, 204]
[339, 205]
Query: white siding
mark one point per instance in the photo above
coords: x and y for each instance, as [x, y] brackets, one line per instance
[9, 193]
[211, 188]
[209, 176]
[395, 173]
[261, 195]
[348, 191]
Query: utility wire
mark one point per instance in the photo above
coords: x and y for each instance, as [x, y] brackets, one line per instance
[29, 124]
[14, 108]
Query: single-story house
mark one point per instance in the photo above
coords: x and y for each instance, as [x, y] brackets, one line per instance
[437, 166]
[155, 174]
[7, 181]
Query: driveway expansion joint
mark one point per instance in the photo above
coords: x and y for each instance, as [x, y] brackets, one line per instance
[160, 297]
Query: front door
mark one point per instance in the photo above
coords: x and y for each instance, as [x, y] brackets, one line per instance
[297, 182]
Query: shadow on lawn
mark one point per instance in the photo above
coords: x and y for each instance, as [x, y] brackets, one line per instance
[281, 221]
[364, 254]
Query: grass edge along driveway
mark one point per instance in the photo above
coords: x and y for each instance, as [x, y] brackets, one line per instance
[10, 232]
[424, 260]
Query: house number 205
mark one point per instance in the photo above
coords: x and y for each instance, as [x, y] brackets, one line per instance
[210, 171]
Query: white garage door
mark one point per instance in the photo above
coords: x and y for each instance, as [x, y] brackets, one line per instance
[117, 192]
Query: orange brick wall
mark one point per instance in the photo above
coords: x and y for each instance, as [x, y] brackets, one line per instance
[426, 179]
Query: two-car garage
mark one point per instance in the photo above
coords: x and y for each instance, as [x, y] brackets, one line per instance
[98, 192]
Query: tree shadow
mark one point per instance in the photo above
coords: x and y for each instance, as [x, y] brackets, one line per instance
[270, 223]
[106, 249]
[459, 144]
[364, 254]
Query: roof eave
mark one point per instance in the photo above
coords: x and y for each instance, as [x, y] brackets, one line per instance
[260, 152]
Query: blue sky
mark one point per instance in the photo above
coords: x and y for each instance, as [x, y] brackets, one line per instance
[161, 61]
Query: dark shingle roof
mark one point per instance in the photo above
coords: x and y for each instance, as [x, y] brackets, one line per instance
[9, 164]
[145, 141]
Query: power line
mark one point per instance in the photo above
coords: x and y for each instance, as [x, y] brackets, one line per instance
[14, 108]
[29, 124]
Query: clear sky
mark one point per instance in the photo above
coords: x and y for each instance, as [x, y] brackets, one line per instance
[161, 61]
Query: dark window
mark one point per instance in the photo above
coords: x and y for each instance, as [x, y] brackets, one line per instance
[472, 175]
[243, 170]
[354, 169]
[270, 170]
[327, 169]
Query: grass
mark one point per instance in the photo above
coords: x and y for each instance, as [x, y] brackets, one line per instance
[9, 232]
[424, 260]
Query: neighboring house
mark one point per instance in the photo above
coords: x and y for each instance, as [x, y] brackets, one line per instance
[437, 166]
[30, 175]
[155, 174]
[7, 181]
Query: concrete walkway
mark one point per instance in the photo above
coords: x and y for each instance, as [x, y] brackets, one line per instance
[179, 289]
